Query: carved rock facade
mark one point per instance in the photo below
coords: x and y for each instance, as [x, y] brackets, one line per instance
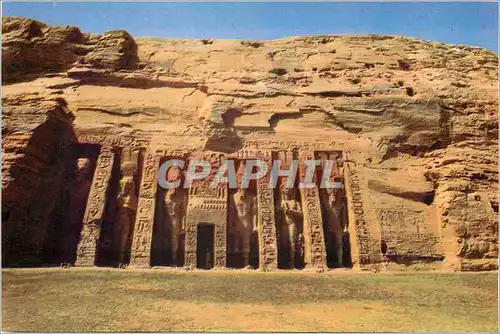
[87, 121]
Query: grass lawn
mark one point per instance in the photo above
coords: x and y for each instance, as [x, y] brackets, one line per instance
[161, 300]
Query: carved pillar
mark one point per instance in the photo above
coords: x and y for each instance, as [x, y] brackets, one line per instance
[140, 254]
[191, 235]
[220, 248]
[358, 230]
[315, 249]
[268, 249]
[91, 227]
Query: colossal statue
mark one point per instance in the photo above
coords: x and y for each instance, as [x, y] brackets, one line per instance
[290, 220]
[336, 227]
[79, 190]
[172, 219]
[127, 207]
[246, 208]
[244, 222]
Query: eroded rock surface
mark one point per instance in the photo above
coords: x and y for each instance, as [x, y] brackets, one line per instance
[416, 120]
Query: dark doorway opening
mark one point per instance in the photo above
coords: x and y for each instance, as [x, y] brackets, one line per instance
[205, 246]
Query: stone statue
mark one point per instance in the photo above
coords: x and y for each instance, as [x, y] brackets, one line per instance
[246, 208]
[291, 215]
[127, 207]
[336, 215]
[79, 190]
[173, 201]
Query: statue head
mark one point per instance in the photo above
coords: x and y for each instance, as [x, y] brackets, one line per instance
[286, 193]
[129, 168]
[82, 167]
[240, 171]
[174, 174]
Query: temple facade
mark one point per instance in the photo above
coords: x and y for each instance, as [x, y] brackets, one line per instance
[120, 216]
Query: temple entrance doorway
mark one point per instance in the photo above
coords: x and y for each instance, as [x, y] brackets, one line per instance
[205, 246]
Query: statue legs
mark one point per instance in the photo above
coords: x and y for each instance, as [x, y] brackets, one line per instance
[292, 238]
[246, 247]
[69, 243]
[338, 247]
[175, 241]
[293, 243]
[125, 218]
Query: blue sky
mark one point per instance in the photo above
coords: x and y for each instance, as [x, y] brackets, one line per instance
[461, 23]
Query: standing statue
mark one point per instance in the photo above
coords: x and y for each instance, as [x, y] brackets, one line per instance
[173, 211]
[246, 208]
[173, 201]
[170, 219]
[79, 190]
[127, 207]
[291, 215]
[336, 215]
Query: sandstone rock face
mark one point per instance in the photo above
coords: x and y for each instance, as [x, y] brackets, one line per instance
[32, 47]
[416, 123]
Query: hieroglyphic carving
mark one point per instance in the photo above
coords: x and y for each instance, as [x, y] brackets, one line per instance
[220, 242]
[408, 233]
[268, 249]
[315, 250]
[172, 152]
[266, 145]
[191, 235]
[143, 231]
[356, 209]
[96, 202]
[132, 142]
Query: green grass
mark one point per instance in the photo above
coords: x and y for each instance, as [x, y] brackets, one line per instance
[156, 300]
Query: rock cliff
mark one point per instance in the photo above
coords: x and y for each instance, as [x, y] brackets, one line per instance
[419, 120]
